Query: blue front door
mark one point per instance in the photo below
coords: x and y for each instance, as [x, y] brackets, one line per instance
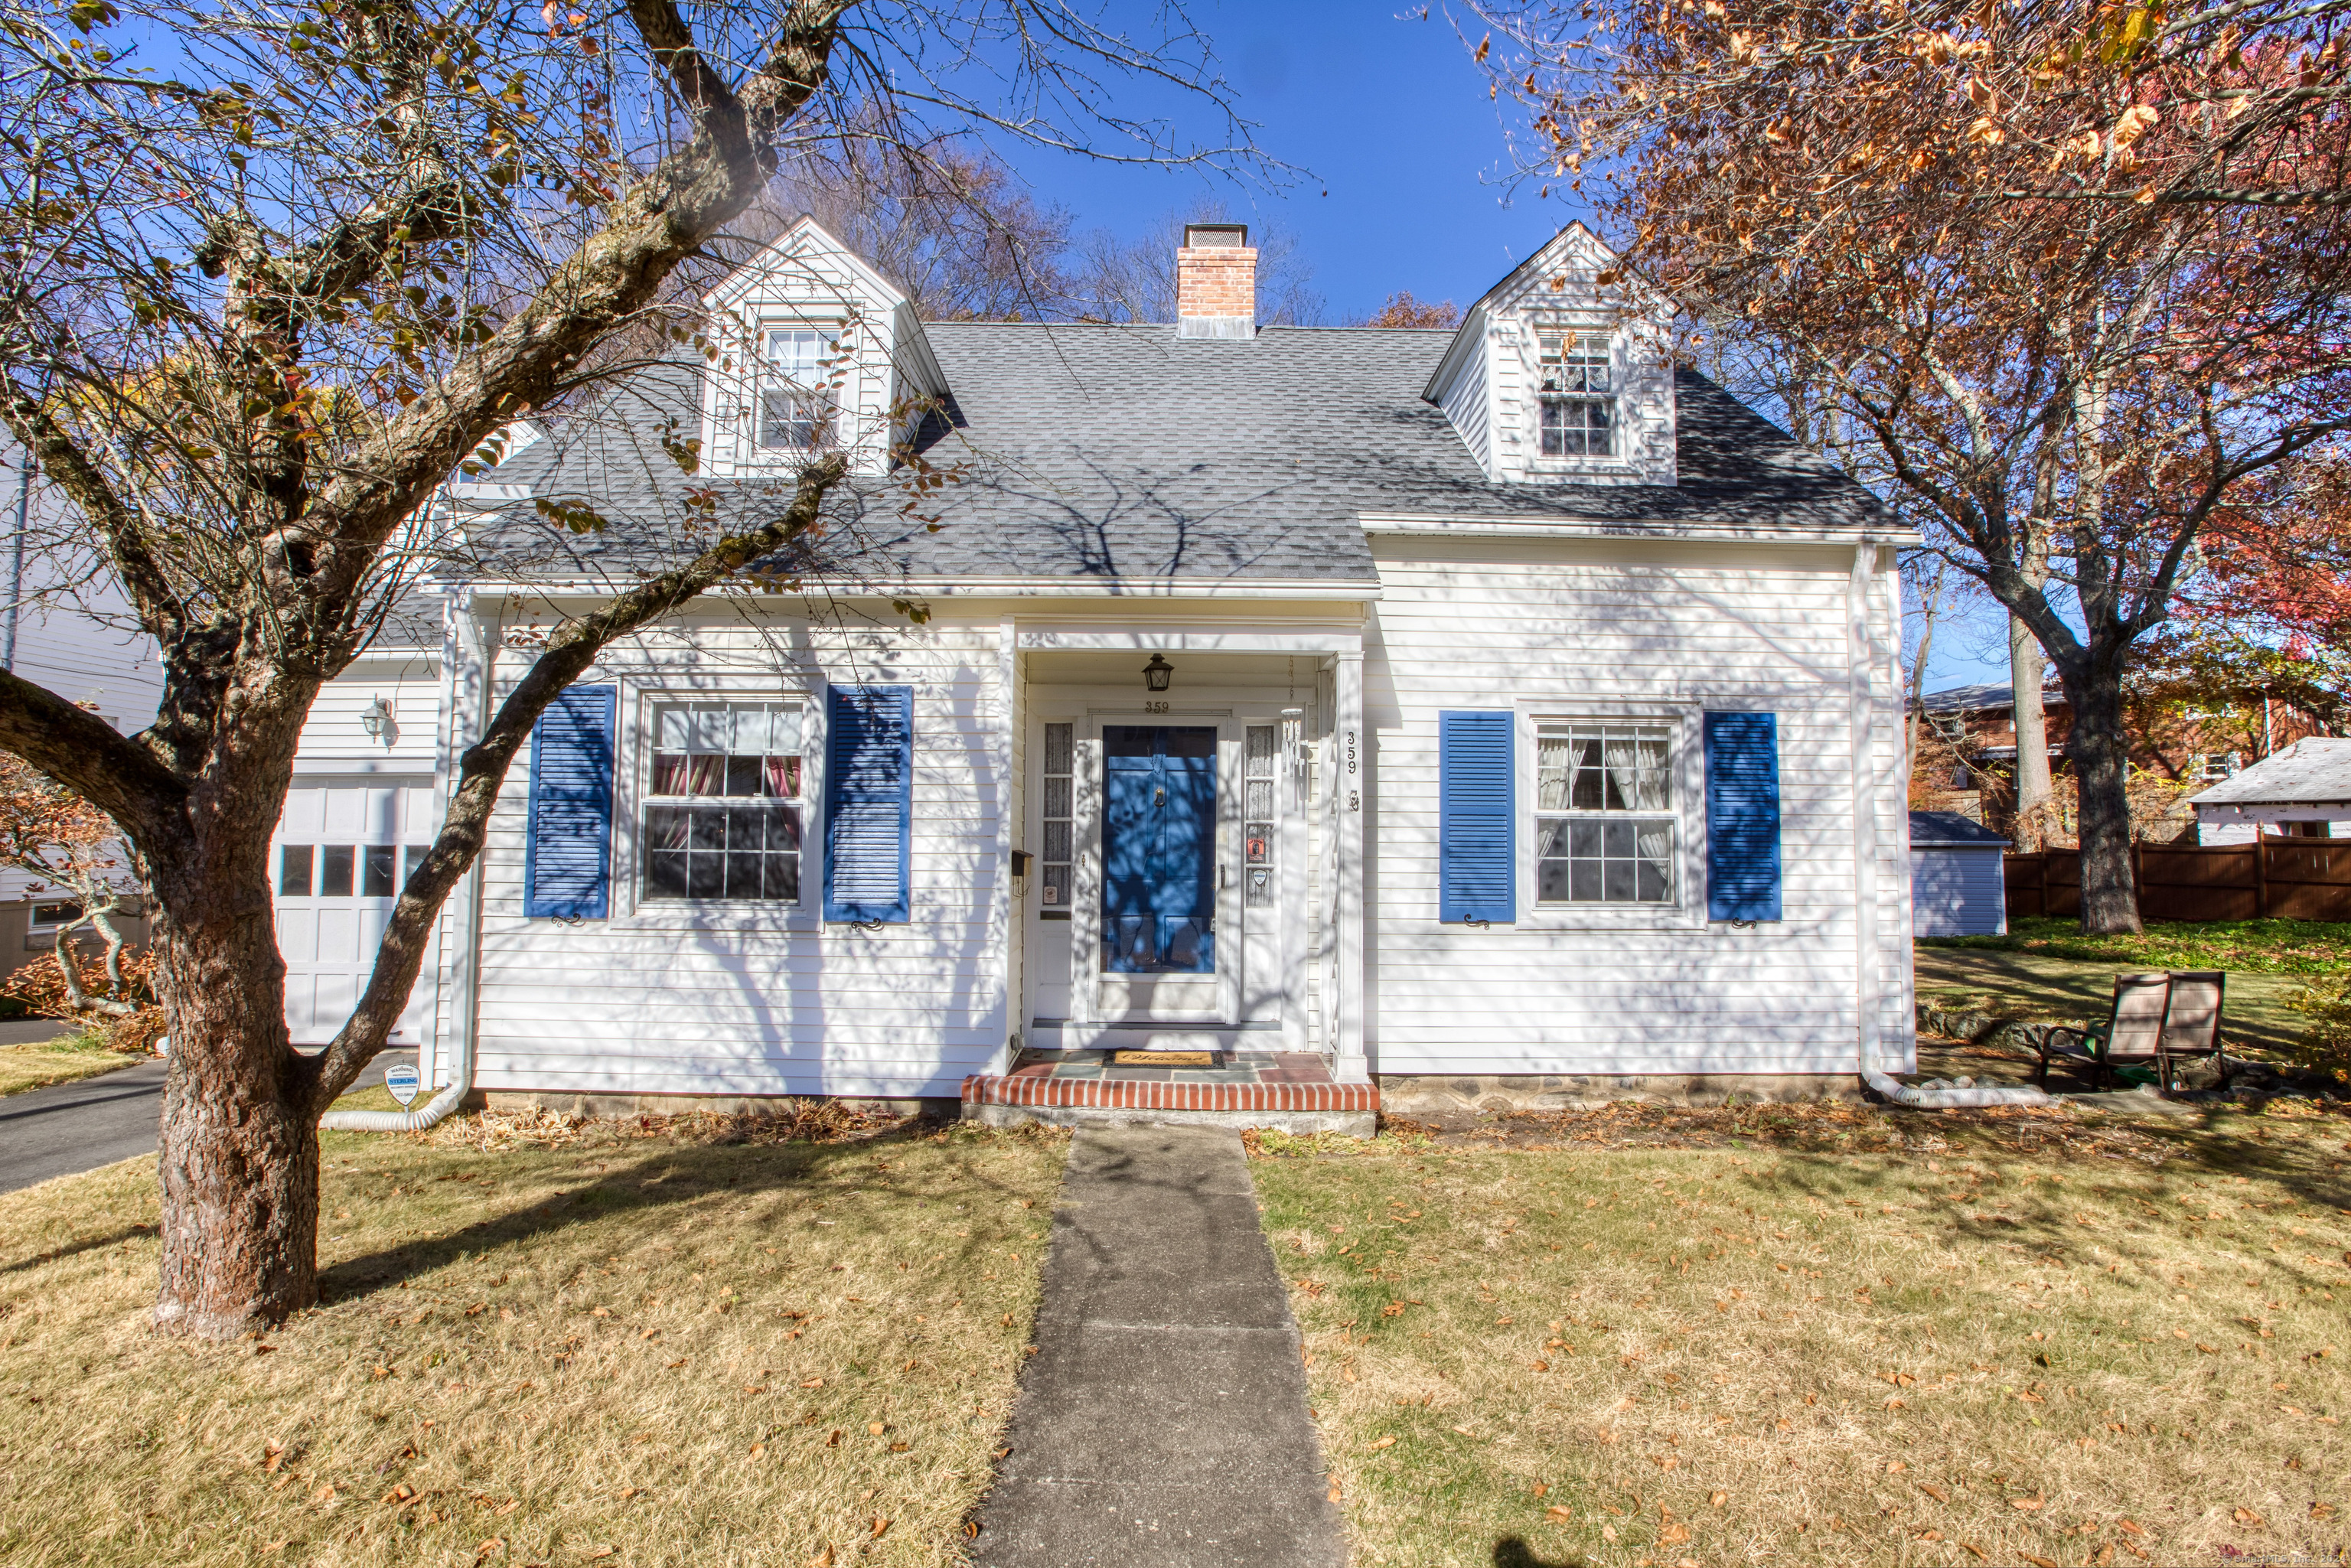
[1159, 835]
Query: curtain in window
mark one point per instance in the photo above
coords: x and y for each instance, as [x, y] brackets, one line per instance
[1637, 769]
[1655, 841]
[1554, 769]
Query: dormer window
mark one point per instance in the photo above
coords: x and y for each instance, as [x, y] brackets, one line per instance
[1579, 404]
[795, 409]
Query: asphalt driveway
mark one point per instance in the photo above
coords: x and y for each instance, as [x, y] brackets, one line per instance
[69, 1128]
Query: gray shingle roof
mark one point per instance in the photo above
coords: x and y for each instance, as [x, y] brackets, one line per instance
[1983, 699]
[1123, 456]
[2311, 772]
[1951, 829]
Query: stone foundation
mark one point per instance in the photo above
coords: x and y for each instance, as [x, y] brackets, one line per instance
[680, 1105]
[1404, 1094]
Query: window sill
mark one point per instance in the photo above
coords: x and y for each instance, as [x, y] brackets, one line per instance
[685, 914]
[1613, 917]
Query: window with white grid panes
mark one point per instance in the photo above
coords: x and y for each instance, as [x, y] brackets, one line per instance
[1578, 405]
[1058, 778]
[722, 810]
[794, 405]
[1604, 832]
[1258, 817]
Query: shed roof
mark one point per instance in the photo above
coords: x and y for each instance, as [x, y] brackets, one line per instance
[2314, 771]
[1122, 455]
[1951, 830]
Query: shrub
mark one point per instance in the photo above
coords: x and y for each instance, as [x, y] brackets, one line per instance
[40, 988]
[2326, 1045]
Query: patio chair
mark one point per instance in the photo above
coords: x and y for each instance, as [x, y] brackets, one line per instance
[2131, 1034]
[2191, 1025]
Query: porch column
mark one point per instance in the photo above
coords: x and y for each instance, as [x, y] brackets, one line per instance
[1349, 1064]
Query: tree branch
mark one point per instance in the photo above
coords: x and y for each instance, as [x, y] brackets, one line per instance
[82, 752]
[481, 770]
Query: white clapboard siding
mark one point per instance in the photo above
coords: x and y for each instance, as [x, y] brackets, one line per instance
[1468, 402]
[758, 1000]
[1958, 891]
[335, 738]
[1561, 624]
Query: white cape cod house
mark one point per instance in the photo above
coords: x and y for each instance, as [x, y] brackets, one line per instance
[1498, 711]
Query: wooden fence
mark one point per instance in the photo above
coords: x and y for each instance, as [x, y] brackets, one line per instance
[2291, 879]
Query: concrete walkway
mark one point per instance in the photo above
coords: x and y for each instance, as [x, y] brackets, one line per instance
[1163, 1422]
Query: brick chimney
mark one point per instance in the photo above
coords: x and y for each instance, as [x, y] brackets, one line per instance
[1215, 282]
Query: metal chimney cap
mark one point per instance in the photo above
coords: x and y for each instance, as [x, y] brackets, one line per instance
[1215, 236]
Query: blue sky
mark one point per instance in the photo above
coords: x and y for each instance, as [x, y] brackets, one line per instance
[1388, 115]
[1402, 158]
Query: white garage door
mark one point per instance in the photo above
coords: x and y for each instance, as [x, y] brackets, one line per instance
[342, 852]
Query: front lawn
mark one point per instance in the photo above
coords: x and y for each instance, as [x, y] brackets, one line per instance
[1827, 1335]
[703, 1341]
[2046, 967]
[63, 1060]
[2250, 946]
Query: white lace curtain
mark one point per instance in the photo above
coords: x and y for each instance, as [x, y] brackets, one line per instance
[1636, 770]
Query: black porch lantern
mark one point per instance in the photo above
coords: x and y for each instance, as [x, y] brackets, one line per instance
[1157, 673]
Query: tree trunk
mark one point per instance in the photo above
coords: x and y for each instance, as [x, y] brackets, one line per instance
[2101, 759]
[239, 1137]
[2032, 790]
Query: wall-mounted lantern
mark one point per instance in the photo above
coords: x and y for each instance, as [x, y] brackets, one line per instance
[376, 719]
[1157, 673]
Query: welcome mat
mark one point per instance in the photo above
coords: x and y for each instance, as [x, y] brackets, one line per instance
[1163, 1058]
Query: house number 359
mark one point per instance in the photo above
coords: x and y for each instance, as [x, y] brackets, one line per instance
[1355, 796]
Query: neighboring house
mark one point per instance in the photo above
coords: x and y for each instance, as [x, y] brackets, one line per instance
[1967, 761]
[83, 650]
[2304, 791]
[1498, 702]
[1956, 888]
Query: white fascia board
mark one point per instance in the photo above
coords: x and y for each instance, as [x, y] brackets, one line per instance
[1437, 526]
[1060, 639]
[1346, 590]
[737, 282]
[397, 653]
[2278, 811]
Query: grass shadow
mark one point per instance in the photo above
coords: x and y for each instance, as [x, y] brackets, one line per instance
[669, 1177]
[1512, 1551]
[74, 1249]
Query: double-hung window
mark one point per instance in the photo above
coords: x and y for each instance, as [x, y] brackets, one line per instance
[796, 406]
[723, 809]
[1604, 814]
[1579, 406]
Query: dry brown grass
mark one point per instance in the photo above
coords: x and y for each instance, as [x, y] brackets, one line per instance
[63, 1061]
[680, 1342]
[2056, 1339]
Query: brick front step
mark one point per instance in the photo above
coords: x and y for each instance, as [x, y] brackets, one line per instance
[1038, 1092]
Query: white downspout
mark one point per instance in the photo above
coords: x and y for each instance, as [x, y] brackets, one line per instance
[1862, 730]
[470, 640]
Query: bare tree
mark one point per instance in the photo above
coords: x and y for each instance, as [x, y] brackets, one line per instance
[1134, 279]
[262, 293]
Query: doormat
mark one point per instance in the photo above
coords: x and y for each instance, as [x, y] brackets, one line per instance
[1163, 1058]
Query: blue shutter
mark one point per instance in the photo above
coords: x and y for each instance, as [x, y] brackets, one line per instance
[868, 801]
[1477, 817]
[1742, 816]
[567, 861]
